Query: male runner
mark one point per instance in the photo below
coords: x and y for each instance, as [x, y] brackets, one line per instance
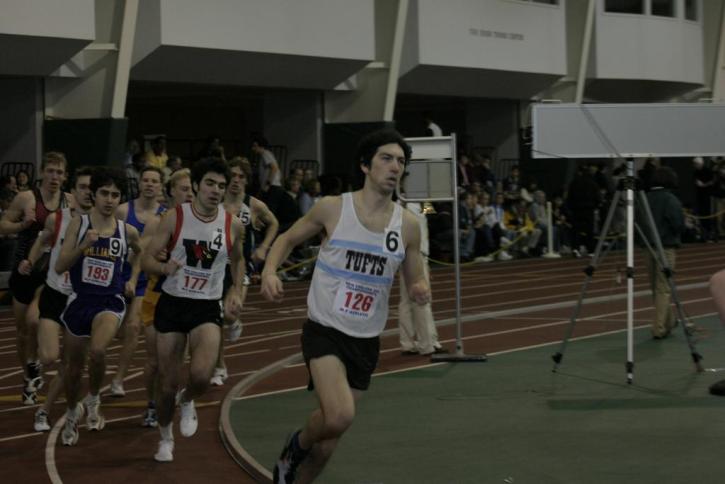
[57, 288]
[368, 237]
[178, 191]
[138, 212]
[94, 249]
[251, 212]
[201, 237]
[26, 217]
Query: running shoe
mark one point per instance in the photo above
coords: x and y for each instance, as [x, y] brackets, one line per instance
[165, 453]
[189, 421]
[117, 389]
[285, 470]
[149, 418]
[234, 331]
[40, 422]
[69, 434]
[95, 419]
[220, 376]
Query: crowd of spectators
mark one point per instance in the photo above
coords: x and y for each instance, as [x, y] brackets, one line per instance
[499, 217]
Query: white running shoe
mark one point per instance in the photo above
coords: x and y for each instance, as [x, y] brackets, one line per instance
[220, 376]
[69, 434]
[234, 331]
[117, 389]
[189, 422]
[503, 255]
[166, 451]
[483, 258]
[95, 419]
[40, 423]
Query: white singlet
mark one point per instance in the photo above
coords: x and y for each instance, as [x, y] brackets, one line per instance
[203, 250]
[59, 282]
[353, 274]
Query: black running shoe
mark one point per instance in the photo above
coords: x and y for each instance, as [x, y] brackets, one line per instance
[285, 470]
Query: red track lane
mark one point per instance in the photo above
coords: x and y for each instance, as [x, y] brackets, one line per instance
[123, 451]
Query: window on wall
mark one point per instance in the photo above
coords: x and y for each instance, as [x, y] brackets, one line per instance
[663, 8]
[624, 6]
[691, 9]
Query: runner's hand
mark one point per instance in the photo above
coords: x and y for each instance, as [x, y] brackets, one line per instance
[25, 267]
[89, 239]
[420, 292]
[129, 289]
[233, 304]
[272, 288]
[171, 267]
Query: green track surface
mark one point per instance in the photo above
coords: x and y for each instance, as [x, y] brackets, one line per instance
[512, 420]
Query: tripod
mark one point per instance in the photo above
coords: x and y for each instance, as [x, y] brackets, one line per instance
[629, 188]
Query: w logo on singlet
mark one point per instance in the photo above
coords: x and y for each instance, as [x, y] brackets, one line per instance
[199, 252]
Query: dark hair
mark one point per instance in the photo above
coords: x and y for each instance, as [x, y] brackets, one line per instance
[261, 141]
[151, 168]
[104, 176]
[79, 172]
[206, 165]
[666, 177]
[370, 143]
[158, 140]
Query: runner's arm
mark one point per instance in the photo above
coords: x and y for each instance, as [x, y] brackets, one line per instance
[14, 219]
[418, 288]
[269, 220]
[70, 251]
[157, 242]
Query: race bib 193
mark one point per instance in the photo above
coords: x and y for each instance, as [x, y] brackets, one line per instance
[97, 272]
[356, 300]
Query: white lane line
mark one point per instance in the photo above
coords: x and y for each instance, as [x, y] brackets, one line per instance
[8, 375]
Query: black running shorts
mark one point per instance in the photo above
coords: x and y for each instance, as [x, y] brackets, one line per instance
[23, 287]
[359, 355]
[181, 314]
[52, 304]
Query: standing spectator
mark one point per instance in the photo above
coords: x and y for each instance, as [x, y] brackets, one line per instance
[501, 232]
[483, 173]
[669, 222]
[560, 218]
[583, 199]
[719, 195]
[484, 223]
[465, 171]
[431, 128]
[467, 232]
[133, 173]
[310, 196]
[23, 180]
[537, 214]
[704, 181]
[157, 156]
[418, 334]
[132, 149]
[172, 165]
[512, 184]
[269, 174]
[647, 171]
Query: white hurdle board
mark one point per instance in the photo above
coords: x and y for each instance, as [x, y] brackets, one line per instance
[630, 130]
